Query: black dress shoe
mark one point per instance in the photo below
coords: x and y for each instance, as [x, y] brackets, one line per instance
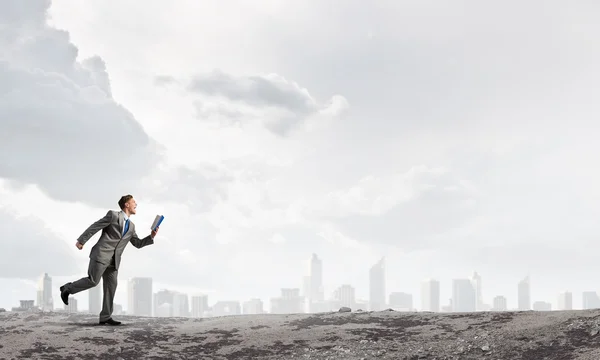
[110, 322]
[64, 294]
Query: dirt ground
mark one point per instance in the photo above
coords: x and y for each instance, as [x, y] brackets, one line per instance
[353, 335]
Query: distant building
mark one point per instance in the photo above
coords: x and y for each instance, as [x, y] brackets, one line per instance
[463, 296]
[361, 305]
[139, 296]
[542, 306]
[316, 293]
[306, 285]
[430, 295]
[199, 306]
[45, 301]
[117, 309]
[290, 302]
[447, 308]
[500, 304]
[477, 285]
[26, 305]
[345, 296]
[253, 306]
[377, 286]
[95, 299]
[225, 308]
[565, 301]
[181, 306]
[161, 298]
[590, 300]
[401, 301]
[524, 294]
[72, 307]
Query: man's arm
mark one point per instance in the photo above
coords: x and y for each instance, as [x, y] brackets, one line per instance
[140, 243]
[95, 227]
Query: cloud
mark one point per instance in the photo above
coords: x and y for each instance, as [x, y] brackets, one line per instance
[199, 189]
[29, 248]
[263, 91]
[23, 13]
[415, 209]
[61, 129]
[164, 80]
[552, 266]
[278, 103]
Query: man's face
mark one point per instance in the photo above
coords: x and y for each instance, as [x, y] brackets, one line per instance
[131, 205]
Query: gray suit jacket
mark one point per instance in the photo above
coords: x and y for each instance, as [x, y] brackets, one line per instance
[111, 242]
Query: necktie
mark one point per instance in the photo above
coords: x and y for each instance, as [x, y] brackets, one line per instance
[126, 227]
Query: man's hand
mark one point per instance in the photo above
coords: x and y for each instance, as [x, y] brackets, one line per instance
[79, 245]
[153, 233]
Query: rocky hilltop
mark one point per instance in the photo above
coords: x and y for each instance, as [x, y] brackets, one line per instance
[345, 335]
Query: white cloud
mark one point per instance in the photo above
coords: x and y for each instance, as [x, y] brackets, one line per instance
[509, 114]
[29, 248]
[62, 130]
[277, 238]
[269, 100]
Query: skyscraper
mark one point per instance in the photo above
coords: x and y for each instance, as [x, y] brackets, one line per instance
[430, 295]
[377, 286]
[45, 300]
[316, 279]
[463, 295]
[253, 306]
[524, 294]
[95, 299]
[345, 296]
[139, 296]
[290, 302]
[500, 303]
[181, 307]
[565, 301]
[476, 281]
[590, 300]
[72, 307]
[163, 303]
[306, 286]
[199, 305]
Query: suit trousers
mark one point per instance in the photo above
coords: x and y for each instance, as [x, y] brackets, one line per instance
[108, 273]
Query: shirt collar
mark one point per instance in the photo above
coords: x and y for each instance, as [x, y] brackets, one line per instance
[125, 217]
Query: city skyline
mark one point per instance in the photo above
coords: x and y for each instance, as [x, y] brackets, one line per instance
[466, 297]
[432, 134]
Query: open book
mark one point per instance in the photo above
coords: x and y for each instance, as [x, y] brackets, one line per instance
[157, 220]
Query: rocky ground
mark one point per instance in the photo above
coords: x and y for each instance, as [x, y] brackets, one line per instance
[346, 335]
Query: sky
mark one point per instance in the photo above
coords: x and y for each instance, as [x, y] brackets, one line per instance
[446, 137]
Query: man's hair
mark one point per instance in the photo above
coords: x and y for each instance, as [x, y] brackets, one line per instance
[123, 200]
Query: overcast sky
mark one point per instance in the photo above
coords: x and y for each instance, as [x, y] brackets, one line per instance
[449, 137]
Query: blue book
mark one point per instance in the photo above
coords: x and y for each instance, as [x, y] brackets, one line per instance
[157, 221]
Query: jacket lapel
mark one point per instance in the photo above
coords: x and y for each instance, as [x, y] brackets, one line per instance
[121, 222]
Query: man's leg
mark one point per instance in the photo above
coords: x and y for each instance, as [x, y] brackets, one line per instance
[109, 284]
[95, 271]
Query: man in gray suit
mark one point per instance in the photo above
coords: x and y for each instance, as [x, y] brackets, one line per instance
[105, 257]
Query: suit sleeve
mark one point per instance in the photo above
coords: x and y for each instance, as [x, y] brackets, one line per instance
[95, 227]
[140, 243]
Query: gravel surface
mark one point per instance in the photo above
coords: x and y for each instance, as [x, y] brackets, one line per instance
[531, 335]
